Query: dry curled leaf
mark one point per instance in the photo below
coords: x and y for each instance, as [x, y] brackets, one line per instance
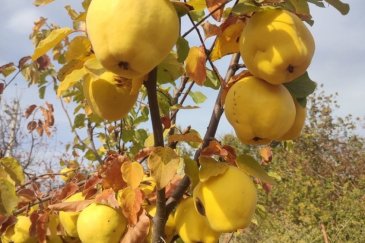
[29, 110]
[130, 201]
[139, 232]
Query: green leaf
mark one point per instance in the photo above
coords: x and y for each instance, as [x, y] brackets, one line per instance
[51, 41]
[14, 169]
[181, 8]
[318, 3]
[301, 87]
[9, 199]
[212, 80]
[300, 7]
[343, 8]
[182, 46]
[169, 69]
[198, 97]
[192, 171]
[197, 15]
[248, 164]
[244, 8]
[90, 155]
[7, 69]
[79, 121]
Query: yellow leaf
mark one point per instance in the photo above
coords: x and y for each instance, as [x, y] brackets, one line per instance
[228, 41]
[132, 173]
[198, 5]
[78, 48]
[163, 163]
[210, 167]
[55, 37]
[188, 137]
[9, 199]
[70, 80]
[14, 169]
[195, 65]
[42, 2]
[94, 66]
[69, 68]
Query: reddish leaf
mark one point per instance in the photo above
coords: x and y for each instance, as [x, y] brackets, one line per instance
[131, 203]
[40, 128]
[213, 5]
[210, 30]
[143, 154]
[267, 187]
[43, 62]
[195, 65]
[107, 197]
[111, 174]
[170, 188]
[48, 117]
[23, 61]
[90, 186]
[31, 126]
[139, 232]
[68, 190]
[50, 107]
[29, 110]
[266, 154]
[2, 87]
[6, 222]
[75, 206]
[33, 227]
[41, 226]
[26, 195]
[166, 122]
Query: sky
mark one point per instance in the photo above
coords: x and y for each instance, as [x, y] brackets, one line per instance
[338, 64]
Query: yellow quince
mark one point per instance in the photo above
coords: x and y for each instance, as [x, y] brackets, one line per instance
[276, 46]
[296, 128]
[258, 111]
[99, 223]
[191, 226]
[19, 232]
[131, 37]
[68, 220]
[227, 200]
[110, 96]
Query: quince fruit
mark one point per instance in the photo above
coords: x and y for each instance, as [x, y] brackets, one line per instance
[169, 226]
[276, 46]
[19, 233]
[53, 237]
[191, 226]
[68, 220]
[99, 223]
[131, 37]
[110, 96]
[296, 128]
[258, 111]
[227, 200]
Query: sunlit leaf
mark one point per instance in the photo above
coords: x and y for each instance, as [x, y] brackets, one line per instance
[195, 65]
[78, 48]
[197, 96]
[213, 5]
[210, 30]
[210, 167]
[14, 169]
[191, 169]
[169, 69]
[182, 48]
[163, 163]
[343, 8]
[132, 173]
[139, 232]
[70, 80]
[130, 201]
[9, 199]
[198, 5]
[7, 69]
[248, 164]
[42, 2]
[55, 37]
[187, 137]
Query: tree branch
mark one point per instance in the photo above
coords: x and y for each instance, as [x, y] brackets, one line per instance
[159, 220]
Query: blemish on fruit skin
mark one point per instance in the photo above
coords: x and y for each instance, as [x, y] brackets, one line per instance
[290, 68]
[200, 207]
[123, 65]
[256, 139]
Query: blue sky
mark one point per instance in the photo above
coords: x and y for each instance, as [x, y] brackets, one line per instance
[338, 63]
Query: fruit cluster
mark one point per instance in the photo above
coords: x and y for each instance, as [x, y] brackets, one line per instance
[128, 40]
[276, 48]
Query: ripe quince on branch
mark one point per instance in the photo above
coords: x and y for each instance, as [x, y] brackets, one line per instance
[132, 37]
[110, 96]
[228, 200]
[258, 111]
[276, 46]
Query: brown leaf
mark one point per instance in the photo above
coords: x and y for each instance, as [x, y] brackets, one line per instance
[48, 117]
[26, 195]
[43, 62]
[143, 153]
[90, 186]
[23, 61]
[174, 183]
[41, 226]
[131, 203]
[107, 197]
[188, 137]
[111, 172]
[195, 65]
[31, 126]
[166, 122]
[40, 128]
[266, 154]
[50, 107]
[68, 190]
[139, 232]
[210, 30]
[2, 87]
[29, 110]
[75, 206]
[6, 222]
[213, 5]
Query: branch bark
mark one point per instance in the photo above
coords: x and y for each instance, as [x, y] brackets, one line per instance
[159, 220]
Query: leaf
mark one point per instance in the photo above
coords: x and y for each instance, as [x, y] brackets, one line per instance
[249, 165]
[228, 41]
[245, 7]
[343, 8]
[210, 30]
[74, 206]
[107, 197]
[198, 5]
[70, 80]
[301, 7]
[195, 65]
[9, 199]
[130, 201]
[111, 172]
[210, 167]
[212, 80]
[29, 110]
[301, 87]
[14, 169]
[266, 153]
[198, 97]
[182, 48]
[215, 148]
[181, 8]
[7, 69]
[78, 48]
[42, 2]
[132, 173]
[55, 37]
[169, 69]
[188, 137]
[139, 232]
[213, 5]
[163, 163]
[191, 169]
[180, 107]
